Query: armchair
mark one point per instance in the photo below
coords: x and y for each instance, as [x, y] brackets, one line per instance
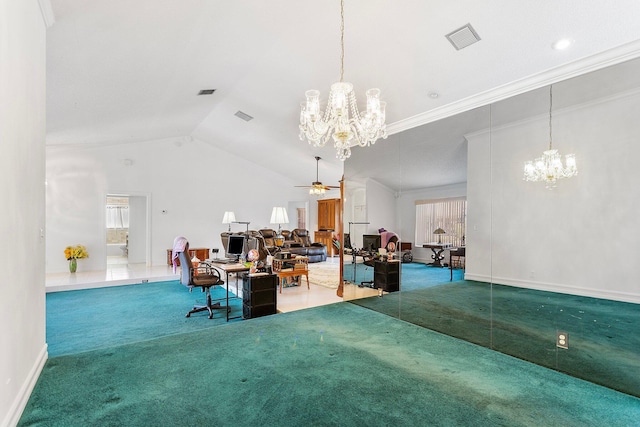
[269, 240]
[202, 276]
[317, 252]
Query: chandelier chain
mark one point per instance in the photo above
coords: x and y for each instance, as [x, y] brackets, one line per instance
[550, 122]
[342, 40]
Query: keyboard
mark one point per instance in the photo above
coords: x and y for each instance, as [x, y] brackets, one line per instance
[224, 261]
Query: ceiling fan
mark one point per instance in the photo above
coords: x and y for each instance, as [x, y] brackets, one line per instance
[317, 187]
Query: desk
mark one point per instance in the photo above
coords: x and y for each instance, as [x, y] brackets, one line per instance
[229, 268]
[437, 249]
[300, 268]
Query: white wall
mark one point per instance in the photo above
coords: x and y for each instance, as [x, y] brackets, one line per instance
[381, 210]
[192, 181]
[22, 133]
[579, 238]
[406, 211]
[138, 227]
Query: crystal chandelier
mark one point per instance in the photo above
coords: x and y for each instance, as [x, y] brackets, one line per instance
[549, 167]
[341, 119]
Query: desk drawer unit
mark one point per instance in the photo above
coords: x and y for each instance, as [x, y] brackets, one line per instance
[259, 295]
[386, 275]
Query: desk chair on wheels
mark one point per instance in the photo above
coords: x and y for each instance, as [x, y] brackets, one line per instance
[368, 259]
[203, 276]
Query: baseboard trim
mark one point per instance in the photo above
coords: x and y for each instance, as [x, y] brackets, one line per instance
[561, 289]
[20, 402]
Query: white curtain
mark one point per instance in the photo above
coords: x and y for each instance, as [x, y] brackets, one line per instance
[448, 214]
[117, 216]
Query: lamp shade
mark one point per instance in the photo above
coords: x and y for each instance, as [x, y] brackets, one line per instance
[439, 231]
[279, 215]
[228, 218]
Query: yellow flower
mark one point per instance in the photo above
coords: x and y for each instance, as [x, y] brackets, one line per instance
[76, 252]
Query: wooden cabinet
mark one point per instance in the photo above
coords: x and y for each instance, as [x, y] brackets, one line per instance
[328, 211]
[201, 254]
[326, 238]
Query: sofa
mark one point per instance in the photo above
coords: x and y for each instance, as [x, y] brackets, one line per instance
[298, 242]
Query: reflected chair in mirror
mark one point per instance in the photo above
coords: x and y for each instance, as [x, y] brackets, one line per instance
[202, 276]
[456, 260]
[369, 259]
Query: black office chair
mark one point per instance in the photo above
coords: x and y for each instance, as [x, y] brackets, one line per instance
[203, 276]
[369, 262]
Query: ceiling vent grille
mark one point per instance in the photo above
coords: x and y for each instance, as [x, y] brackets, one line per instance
[463, 37]
[206, 92]
[243, 116]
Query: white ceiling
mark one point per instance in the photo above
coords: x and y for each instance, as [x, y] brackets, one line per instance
[126, 71]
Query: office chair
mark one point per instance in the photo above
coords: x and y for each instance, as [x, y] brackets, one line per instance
[203, 276]
[369, 261]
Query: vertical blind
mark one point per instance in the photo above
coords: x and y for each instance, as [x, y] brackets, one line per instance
[448, 214]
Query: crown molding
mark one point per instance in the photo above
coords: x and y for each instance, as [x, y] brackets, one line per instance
[591, 63]
[47, 13]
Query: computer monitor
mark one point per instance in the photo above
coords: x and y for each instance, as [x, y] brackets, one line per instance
[236, 246]
[371, 242]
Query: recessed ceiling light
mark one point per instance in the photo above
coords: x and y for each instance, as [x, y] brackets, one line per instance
[562, 44]
[433, 95]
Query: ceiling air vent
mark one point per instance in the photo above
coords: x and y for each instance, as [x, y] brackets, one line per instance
[463, 37]
[206, 92]
[243, 116]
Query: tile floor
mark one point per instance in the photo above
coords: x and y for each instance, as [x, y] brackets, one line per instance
[119, 272]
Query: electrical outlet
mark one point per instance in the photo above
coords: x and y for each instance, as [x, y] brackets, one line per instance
[562, 340]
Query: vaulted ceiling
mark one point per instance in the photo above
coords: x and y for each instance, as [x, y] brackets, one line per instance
[123, 71]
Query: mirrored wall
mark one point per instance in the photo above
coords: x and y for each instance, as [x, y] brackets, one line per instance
[548, 273]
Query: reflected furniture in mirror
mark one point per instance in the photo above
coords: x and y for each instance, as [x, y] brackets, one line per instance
[438, 249]
[455, 259]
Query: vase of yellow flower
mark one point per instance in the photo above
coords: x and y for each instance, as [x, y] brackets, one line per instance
[73, 253]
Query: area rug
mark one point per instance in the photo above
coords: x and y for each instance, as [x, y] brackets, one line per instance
[324, 274]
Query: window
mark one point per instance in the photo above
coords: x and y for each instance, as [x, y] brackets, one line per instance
[448, 214]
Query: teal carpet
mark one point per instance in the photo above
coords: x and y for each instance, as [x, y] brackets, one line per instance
[336, 365]
[414, 275]
[604, 343]
[95, 318]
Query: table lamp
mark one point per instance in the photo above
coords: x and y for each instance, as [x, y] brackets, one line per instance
[439, 232]
[228, 218]
[279, 216]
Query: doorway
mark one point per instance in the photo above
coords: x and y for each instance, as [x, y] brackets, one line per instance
[127, 235]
